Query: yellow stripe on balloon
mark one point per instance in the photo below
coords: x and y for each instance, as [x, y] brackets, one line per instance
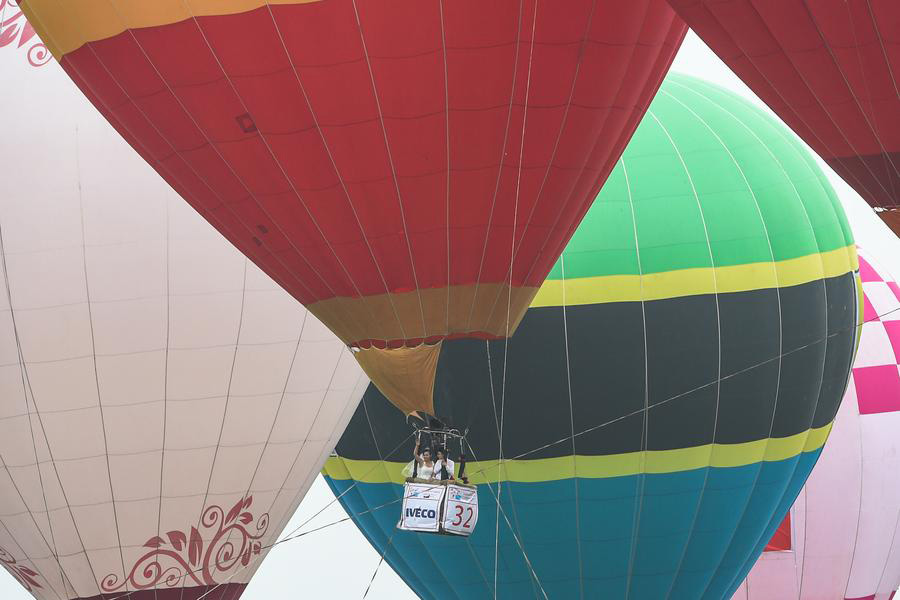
[694, 282]
[598, 467]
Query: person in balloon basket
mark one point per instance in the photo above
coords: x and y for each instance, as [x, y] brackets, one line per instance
[443, 468]
[425, 468]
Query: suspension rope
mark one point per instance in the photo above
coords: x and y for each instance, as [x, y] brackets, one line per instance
[512, 256]
[380, 561]
[515, 536]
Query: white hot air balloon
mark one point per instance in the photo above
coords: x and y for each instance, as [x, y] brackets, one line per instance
[164, 405]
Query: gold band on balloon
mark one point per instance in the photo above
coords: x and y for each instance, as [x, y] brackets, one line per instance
[66, 25]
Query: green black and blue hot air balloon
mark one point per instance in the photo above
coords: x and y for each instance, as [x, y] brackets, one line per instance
[666, 394]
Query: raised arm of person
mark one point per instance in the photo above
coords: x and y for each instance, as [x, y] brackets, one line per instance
[416, 455]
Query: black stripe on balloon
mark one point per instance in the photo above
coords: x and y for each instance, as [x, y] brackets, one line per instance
[606, 353]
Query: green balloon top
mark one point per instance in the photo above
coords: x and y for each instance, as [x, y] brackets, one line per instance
[708, 180]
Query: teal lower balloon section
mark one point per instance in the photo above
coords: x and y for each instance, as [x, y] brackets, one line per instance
[686, 535]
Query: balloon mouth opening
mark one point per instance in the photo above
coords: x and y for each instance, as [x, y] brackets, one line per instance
[413, 343]
[405, 375]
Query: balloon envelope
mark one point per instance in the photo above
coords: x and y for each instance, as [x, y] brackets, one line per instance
[667, 393]
[830, 69]
[164, 405]
[841, 538]
[408, 170]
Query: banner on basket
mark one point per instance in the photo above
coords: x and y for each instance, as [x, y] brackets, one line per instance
[422, 507]
[460, 510]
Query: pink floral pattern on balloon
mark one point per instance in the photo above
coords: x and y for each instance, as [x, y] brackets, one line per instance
[180, 557]
[14, 28]
[23, 574]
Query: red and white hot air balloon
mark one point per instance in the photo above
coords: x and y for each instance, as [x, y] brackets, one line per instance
[164, 405]
[410, 170]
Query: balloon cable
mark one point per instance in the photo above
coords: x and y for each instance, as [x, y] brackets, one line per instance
[380, 561]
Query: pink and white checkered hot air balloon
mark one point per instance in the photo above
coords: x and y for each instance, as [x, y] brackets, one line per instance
[841, 539]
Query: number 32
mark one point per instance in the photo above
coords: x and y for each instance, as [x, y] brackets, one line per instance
[459, 516]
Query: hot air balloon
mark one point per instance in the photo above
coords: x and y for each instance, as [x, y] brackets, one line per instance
[840, 539]
[408, 170]
[829, 69]
[666, 394]
[164, 405]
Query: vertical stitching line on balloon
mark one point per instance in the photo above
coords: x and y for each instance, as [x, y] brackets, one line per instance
[887, 59]
[209, 216]
[512, 248]
[859, 508]
[781, 134]
[275, 421]
[390, 157]
[887, 558]
[281, 167]
[774, 271]
[600, 135]
[22, 551]
[487, 234]
[215, 149]
[512, 505]
[781, 328]
[827, 337]
[307, 482]
[23, 373]
[861, 477]
[447, 150]
[237, 345]
[562, 125]
[516, 538]
[872, 124]
[296, 458]
[512, 95]
[565, 320]
[165, 423]
[718, 320]
[27, 382]
[781, 97]
[90, 314]
[646, 408]
[896, 524]
[890, 72]
[325, 145]
[53, 549]
[818, 101]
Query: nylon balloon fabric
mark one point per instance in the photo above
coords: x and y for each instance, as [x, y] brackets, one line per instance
[164, 405]
[842, 531]
[408, 170]
[830, 69]
[668, 391]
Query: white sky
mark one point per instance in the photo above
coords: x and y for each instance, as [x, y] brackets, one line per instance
[338, 562]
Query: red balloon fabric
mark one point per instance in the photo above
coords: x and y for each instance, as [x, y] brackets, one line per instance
[409, 170]
[830, 69]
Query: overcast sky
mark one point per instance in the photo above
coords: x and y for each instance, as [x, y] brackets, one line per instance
[337, 562]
